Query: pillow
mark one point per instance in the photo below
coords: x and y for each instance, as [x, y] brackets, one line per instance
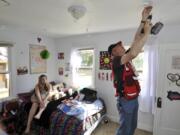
[58, 86]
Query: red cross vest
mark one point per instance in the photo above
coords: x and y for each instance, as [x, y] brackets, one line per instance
[131, 87]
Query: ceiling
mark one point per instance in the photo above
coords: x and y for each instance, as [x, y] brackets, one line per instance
[52, 18]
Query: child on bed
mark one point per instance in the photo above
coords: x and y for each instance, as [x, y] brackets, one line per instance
[38, 99]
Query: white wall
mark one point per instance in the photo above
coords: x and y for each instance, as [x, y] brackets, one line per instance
[20, 57]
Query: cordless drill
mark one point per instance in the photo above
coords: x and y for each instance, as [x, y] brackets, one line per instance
[155, 28]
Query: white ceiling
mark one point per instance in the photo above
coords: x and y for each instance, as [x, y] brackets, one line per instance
[51, 16]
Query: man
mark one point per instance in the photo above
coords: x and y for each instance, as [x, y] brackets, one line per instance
[128, 108]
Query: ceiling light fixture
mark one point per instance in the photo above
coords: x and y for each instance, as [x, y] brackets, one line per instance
[4, 3]
[77, 11]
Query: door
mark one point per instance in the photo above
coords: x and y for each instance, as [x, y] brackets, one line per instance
[167, 112]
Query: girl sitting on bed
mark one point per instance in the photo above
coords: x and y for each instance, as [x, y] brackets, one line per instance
[38, 99]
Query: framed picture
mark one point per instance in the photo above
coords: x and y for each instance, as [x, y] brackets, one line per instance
[60, 55]
[37, 64]
[61, 71]
[67, 66]
[22, 70]
[176, 62]
[105, 60]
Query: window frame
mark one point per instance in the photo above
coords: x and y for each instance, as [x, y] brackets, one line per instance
[93, 65]
[9, 51]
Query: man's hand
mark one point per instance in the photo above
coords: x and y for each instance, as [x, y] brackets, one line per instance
[147, 27]
[146, 12]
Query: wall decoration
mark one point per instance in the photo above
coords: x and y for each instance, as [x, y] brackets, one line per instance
[111, 76]
[176, 62]
[37, 64]
[99, 76]
[173, 95]
[61, 71]
[60, 55]
[178, 82]
[105, 60]
[67, 66]
[22, 70]
[174, 78]
[107, 76]
[44, 54]
[66, 75]
[102, 76]
[39, 39]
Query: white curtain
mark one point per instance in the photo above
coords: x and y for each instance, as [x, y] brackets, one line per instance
[75, 64]
[150, 67]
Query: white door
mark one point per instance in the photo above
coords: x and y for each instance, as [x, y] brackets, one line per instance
[167, 117]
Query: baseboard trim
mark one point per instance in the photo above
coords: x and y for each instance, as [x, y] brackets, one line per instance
[113, 118]
[142, 126]
[145, 127]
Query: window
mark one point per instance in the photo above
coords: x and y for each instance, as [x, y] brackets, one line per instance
[83, 68]
[4, 72]
[138, 63]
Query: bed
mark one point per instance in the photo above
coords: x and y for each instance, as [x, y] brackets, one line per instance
[62, 123]
[55, 121]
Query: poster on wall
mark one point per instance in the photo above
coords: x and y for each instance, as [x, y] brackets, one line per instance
[67, 66]
[37, 64]
[22, 70]
[105, 60]
[61, 71]
[61, 55]
[176, 62]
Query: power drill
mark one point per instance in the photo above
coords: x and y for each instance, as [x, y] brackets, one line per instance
[155, 28]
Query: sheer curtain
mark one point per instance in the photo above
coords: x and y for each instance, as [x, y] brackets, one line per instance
[82, 62]
[150, 66]
[75, 64]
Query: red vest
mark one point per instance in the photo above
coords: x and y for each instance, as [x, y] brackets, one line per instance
[131, 87]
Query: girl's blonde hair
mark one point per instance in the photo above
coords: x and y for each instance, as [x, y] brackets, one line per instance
[40, 85]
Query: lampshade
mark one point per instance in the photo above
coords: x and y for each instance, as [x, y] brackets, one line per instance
[77, 11]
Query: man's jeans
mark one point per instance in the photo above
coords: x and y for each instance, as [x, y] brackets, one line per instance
[128, 111]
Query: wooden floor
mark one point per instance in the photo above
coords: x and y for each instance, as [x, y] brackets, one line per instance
[110, 129]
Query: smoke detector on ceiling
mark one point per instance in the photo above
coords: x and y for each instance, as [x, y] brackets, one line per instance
[4, 3]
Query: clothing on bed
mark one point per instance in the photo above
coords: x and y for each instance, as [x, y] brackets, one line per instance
[80, 110]
[52, 106]
[61, 123]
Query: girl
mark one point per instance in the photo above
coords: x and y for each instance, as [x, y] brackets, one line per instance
[41, 94]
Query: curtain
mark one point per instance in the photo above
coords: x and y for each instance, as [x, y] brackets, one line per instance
[83, 68]
[75, 64]
[150, 67]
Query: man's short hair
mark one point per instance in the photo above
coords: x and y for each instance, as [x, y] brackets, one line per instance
[110, 48]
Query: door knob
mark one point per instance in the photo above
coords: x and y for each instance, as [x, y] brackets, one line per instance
[159, 102]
